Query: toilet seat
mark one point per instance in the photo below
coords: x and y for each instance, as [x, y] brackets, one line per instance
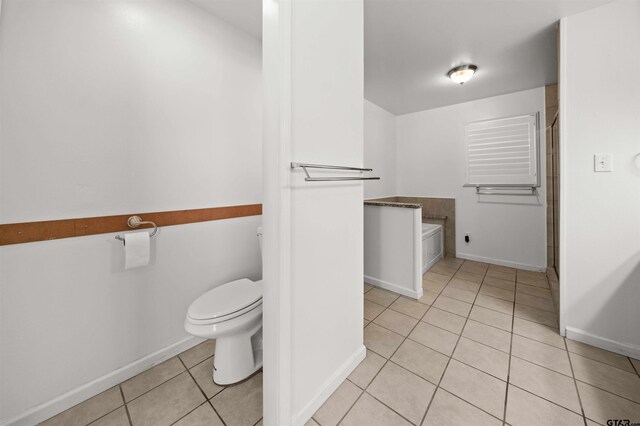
[226, 302]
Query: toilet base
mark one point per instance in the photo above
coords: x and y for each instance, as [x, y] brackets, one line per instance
[237, 357]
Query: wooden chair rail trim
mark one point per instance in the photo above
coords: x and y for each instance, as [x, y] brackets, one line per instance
[28, 232]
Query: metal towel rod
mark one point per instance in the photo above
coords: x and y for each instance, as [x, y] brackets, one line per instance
[305, 166]
[134, 222]
[495, 190]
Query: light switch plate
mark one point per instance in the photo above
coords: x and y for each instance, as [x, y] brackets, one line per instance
[603, 162]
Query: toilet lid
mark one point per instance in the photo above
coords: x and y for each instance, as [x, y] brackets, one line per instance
[225, 299]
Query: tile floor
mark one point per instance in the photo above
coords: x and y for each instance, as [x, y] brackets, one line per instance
[479, 348]
[179, 391]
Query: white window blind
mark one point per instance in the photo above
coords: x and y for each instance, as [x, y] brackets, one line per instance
[502, 151]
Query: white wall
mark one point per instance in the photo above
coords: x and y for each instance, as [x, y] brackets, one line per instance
[380, 151]
[314, 76]
[600, 113]
[110, 108]
[507, 230]
[393, 249]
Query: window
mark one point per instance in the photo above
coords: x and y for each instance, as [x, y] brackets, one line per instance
[503, 151]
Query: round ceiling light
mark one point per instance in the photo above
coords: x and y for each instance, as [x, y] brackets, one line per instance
[462, 74]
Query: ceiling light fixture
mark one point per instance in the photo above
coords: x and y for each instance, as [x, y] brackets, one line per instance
[462, 74]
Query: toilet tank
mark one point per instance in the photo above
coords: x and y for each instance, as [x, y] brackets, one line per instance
[432, 245]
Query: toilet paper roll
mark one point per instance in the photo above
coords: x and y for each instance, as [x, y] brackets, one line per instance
[137, 250]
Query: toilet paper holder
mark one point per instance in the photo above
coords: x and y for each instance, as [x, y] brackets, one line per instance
[134, 222]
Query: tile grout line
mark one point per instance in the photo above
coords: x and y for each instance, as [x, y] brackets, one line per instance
[206, 399]
[156, 386]
[513, 320]
[424, 416]
[575, 383]
[387, 360]
[126, 407]
[385, 363]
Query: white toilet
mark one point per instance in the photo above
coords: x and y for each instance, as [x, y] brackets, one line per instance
[231, 314]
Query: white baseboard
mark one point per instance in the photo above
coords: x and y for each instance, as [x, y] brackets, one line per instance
[500, 262]
[394, 287]
[330, 386]
[75, 396]
[625, 349]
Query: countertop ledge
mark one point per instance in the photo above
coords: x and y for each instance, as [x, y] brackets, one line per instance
[392, 204]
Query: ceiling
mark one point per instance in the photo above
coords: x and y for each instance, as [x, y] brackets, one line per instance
[411, 44]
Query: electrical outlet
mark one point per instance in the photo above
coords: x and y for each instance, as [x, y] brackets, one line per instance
[603, 162]
[467, 238]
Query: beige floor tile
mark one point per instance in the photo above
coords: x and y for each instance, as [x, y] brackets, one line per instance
[89, 410]
[443, 319]
[538, 332]
[439, 268]
[524, 409]
[543, 355]
[478, 388]
[501, 268]
[452, 305]
[494, 304]
[402, 391]
[536, 315]
[368, 411]
[396, 322]
[167, 403]
[536, 281]
[421, 360]
[198, 353]
[149, 379]
[505, 276]
[409, 307]
[372, 310]
[490, 336]
[601, 406]
[434, 337]
[490, 317]
[464, 285]
[509, 285]
[380, 296]
[367, 287]
[201, 416]
[365, 323]
[489, 360]
[459, 294]
[433, 287]
[535, 302]
[367, 370]
[606, 377]
[241, 404]
[452, 262]
[601, 355]
[545, 383]
[203, 375]
[474, 267]
[449, 410]
[498, 293]
[114, 418]
[380, 340]
[334, 408]
[428, 297]
[636, 364]
[435, 278]
[468, 276]
[534, 291]
[311, 422]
